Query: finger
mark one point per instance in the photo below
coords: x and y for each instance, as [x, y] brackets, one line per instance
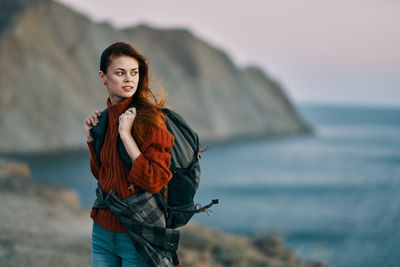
[95, 118]
[95, 115]
[93, 121]
[88, 124]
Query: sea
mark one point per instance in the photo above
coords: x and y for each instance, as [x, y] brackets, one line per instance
[332, 196]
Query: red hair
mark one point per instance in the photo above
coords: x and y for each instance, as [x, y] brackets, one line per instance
[148, 112]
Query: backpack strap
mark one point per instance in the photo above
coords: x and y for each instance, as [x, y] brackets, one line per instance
[175, 259]
[204, 208]
[98, 133]
[166, 208]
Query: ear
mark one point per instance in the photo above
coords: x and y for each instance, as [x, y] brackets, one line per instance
[102, 77]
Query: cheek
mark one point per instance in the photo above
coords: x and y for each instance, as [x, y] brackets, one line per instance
[115, 80]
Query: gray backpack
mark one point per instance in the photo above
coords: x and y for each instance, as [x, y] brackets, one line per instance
[185, 167]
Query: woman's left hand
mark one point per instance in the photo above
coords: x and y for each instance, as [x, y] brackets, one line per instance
[126, 120]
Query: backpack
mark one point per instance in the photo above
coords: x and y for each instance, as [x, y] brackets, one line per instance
[185, 167]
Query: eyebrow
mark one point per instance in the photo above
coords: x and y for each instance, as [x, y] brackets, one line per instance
[124, 69]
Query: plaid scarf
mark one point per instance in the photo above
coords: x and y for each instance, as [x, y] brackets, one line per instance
[145, 224]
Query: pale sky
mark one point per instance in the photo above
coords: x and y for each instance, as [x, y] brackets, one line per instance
[341, 51]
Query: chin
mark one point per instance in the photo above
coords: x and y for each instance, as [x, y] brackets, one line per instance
[127, 94]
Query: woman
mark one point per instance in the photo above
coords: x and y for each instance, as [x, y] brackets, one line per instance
[142, 129]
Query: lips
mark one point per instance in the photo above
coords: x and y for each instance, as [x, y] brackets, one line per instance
[127, 88]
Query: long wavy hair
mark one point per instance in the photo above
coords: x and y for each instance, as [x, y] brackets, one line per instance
[148, 112]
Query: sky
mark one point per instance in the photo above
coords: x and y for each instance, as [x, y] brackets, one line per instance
[340, 52]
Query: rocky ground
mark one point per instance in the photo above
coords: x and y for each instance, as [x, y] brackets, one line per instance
[42, 225]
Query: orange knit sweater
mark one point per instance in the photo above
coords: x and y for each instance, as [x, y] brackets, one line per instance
[150, 171]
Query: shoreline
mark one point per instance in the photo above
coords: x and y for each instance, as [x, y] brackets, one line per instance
[204, 141]
[43, 225]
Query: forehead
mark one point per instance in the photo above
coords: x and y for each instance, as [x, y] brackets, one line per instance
[124, 62]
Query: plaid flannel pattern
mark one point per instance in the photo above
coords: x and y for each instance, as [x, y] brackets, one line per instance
[145, 224]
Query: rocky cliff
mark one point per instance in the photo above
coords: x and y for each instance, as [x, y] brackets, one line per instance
[49, 57]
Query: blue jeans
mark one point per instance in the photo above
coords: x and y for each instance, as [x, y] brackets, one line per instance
[111, 249]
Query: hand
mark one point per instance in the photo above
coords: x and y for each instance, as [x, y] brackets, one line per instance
[126, 121]
[91, 121]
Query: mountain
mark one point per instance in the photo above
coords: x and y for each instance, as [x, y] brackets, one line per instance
[49, 83]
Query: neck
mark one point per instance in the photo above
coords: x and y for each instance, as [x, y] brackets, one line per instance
[116, 100]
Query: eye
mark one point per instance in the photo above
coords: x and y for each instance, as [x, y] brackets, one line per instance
[134, 72]
[120, 73]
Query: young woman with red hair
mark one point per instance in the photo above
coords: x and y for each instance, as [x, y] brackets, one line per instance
[142, 129]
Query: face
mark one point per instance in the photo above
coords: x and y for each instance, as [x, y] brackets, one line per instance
[122, 78]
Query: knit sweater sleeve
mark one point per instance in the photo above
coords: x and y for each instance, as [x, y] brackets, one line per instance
[150, 171]
[94, 165]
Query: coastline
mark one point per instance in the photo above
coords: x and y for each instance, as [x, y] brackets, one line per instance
[309, 131]
[44, 225]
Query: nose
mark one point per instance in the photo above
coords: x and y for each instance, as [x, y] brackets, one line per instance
[128, 77]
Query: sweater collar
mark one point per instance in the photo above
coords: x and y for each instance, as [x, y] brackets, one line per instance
[118, 108]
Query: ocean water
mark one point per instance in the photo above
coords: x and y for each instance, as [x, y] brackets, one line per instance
[333, 196]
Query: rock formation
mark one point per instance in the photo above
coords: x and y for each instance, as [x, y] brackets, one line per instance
[49, 58]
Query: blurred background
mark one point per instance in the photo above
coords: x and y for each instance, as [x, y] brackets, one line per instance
[299, 103]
